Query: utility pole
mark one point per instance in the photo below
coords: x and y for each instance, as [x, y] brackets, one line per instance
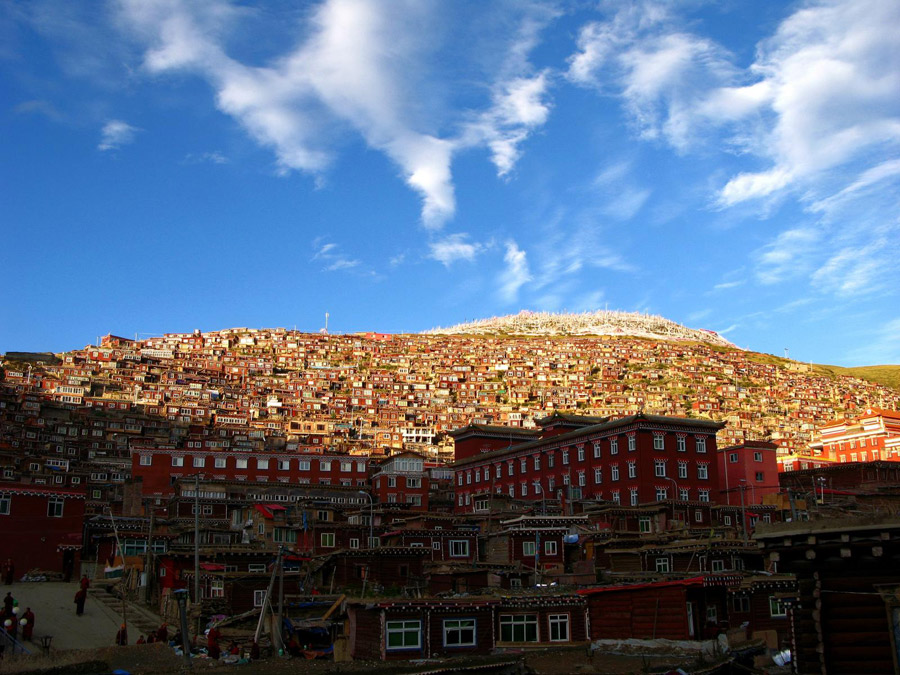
[197, 537]
[281, 595]
[743, 513]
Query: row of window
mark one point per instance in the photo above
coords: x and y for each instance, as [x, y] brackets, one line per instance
[407, 633]
[661, 494]
[54, 507]
[261, 463]
[658, 444]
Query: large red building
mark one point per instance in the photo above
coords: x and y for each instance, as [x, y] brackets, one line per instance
[872, 436]
[159, 468]
[42, 527]
[630, 460]
[751, 468]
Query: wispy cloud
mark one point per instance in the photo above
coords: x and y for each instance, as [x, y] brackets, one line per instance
[39, 107]
[214, 157]
[115, 134]
[515, 274]
[360, 64]
[331, 258]
[725, 285]
[787, 256]
[453, 248]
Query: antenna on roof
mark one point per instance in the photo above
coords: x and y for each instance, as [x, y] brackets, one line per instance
[786, 352]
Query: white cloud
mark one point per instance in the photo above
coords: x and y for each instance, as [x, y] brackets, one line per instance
[725, 285]
[115, 134]
[881, 346]
[360, 64]
[515, 274]
[331, 257]
[454, 247]
[214, 157]
[859, 270]
[866, 180]
[787, 256]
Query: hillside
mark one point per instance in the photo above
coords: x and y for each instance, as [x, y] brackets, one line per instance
[888, 376]
[276, 389]
[601, 322]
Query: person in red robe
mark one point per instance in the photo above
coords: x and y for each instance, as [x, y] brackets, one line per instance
[212, 643]
[162, 633]
[80, 597]
[122, 636]
[28, 626]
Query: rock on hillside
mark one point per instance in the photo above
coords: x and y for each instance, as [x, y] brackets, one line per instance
[601, 322]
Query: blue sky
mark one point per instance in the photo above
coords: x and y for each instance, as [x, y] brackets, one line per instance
[409, 164]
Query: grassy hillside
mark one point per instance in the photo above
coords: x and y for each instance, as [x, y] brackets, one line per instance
[889, 376]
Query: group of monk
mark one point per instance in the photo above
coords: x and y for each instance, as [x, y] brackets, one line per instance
[12, 621]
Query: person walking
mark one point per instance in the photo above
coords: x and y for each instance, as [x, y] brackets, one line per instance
[8, 602]
[27, 624]
[80, 597]
[9, 571]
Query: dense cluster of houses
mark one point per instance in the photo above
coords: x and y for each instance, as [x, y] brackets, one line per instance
[438, 480]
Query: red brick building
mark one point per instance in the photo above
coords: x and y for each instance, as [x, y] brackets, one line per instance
[402, 479]
[751, 468]
[42, 527]
[629, 460]
[872, 436]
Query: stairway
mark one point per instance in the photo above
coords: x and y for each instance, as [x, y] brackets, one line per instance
[141, 621]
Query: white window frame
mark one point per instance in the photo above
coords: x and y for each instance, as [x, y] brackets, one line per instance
[460, 633]
[459, 548]
[550, 547]
[324, 537]
[529, 549]
[146, 460]
[513, 624]
[405, 628]
[659, 442]
[559, 627]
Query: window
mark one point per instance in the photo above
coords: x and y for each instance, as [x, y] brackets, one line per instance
[644, 524]
[240, 463]
[146, 460]
[523, 489]
[580, 453]
[683, 494]
[459, 548]
[658, 442]
[717, 565]
[262, 463]
[509, 468]
[199, 462]
[777, 607]
[617, 499]
[614, 472]
[759, 476]
[633, 496]
[632, 443]
[700, 444]
[733, 457]
[659, 468]
[217, 588]
[518, 628]
[374, 542]
[632, 469]
[177, 461]
[662, 564]
[54, 507]
[417, 482]
[303, 465]
[726, 520]
[259, 598]
[324, 465]
[4, 506]
[559, 627]
[681, 444]
[284, 465]
[550, 548]
[537, 463]
[354, 543]
[682, 469]
[661, 494]
[565, 456]
[327, 540]
[523, 467]
[404, 634]
[220, 462]
[436, 545]
[498, 473]
[598, 476]
[597, 451]
[551, 459]
[712, 614]
[703, 495]
[614, 446]
[459, 632]
[703, 471]
[740, 604]
[529, 548]
[346, 467]
[482, 503]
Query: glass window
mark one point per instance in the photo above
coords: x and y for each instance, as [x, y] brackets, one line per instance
[659, 468]
[632, 470]
[4, 506]
[404, 634]
[702, 471]
[613, 446]
[146, 460]
[559, 628]
[632, 443]
[662, 564]
[54, 507]
[459, 548]
[459, 632]
[327, 539]
[220, 462]
[658, 442]
[681, 444]
[262, 463]
[199, 462]
[701, 444]
[550, 548]
[518, 628]
[177, 461]
[777, 607]
[529, 548]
